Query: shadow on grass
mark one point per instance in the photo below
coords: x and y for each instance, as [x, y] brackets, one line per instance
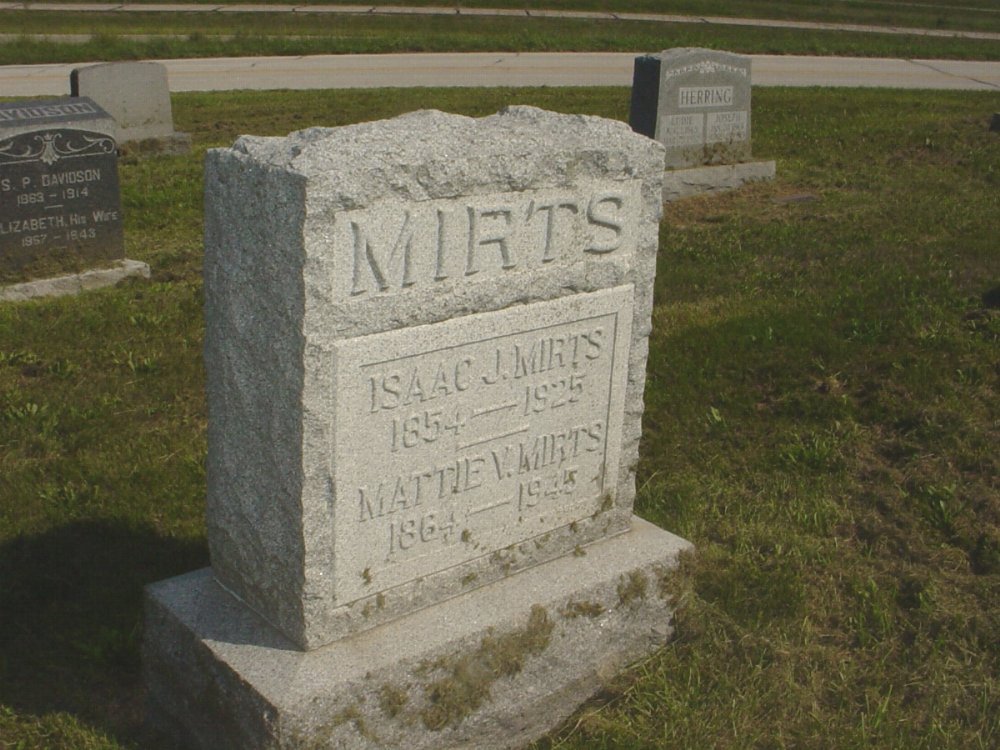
[71, 618]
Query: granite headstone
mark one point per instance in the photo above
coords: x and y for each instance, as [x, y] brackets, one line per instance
[138, 97]
[426, 345]
[60, 206]
[696, 102]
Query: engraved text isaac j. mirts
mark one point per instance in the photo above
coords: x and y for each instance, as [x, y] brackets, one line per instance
[390, 247]
[457, 440]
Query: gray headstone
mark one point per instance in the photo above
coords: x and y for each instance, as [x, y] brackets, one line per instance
[426, 343]
[390, 416]
[696, 102]
[136, 95]
[60, 205]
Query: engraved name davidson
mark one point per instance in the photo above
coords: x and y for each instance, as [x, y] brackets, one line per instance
[47, 110]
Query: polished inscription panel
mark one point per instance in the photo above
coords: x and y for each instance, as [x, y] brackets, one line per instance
[59, 197]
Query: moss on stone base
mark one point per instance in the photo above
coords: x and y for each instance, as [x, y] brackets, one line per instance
[469, 676]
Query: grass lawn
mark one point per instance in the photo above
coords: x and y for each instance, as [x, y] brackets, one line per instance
[244, 34]
[931, 14]
[822, 421]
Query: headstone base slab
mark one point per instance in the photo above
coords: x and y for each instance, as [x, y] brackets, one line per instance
[681, 183]
[74, 283]
[496, 667]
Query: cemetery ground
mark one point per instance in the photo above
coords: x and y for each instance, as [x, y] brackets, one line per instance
[821, 421]
[942, 14]
[156, 35]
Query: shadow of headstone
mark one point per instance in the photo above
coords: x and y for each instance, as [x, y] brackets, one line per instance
[71, 617]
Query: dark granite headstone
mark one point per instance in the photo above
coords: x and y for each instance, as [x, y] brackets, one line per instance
[60, 205]
[696, 102]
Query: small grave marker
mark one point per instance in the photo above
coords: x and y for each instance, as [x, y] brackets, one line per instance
[138, 98]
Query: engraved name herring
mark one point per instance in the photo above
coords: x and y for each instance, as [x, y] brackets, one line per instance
[476, 433]
[390, 247]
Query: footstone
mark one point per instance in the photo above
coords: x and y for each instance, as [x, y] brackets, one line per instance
[138, 97]
[496, 668]
[785, 200]
[426, 343]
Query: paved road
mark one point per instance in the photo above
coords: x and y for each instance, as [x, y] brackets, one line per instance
[452, 11]
[507, 69]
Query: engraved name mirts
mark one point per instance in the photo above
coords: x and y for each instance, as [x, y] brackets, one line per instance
[390, 248]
